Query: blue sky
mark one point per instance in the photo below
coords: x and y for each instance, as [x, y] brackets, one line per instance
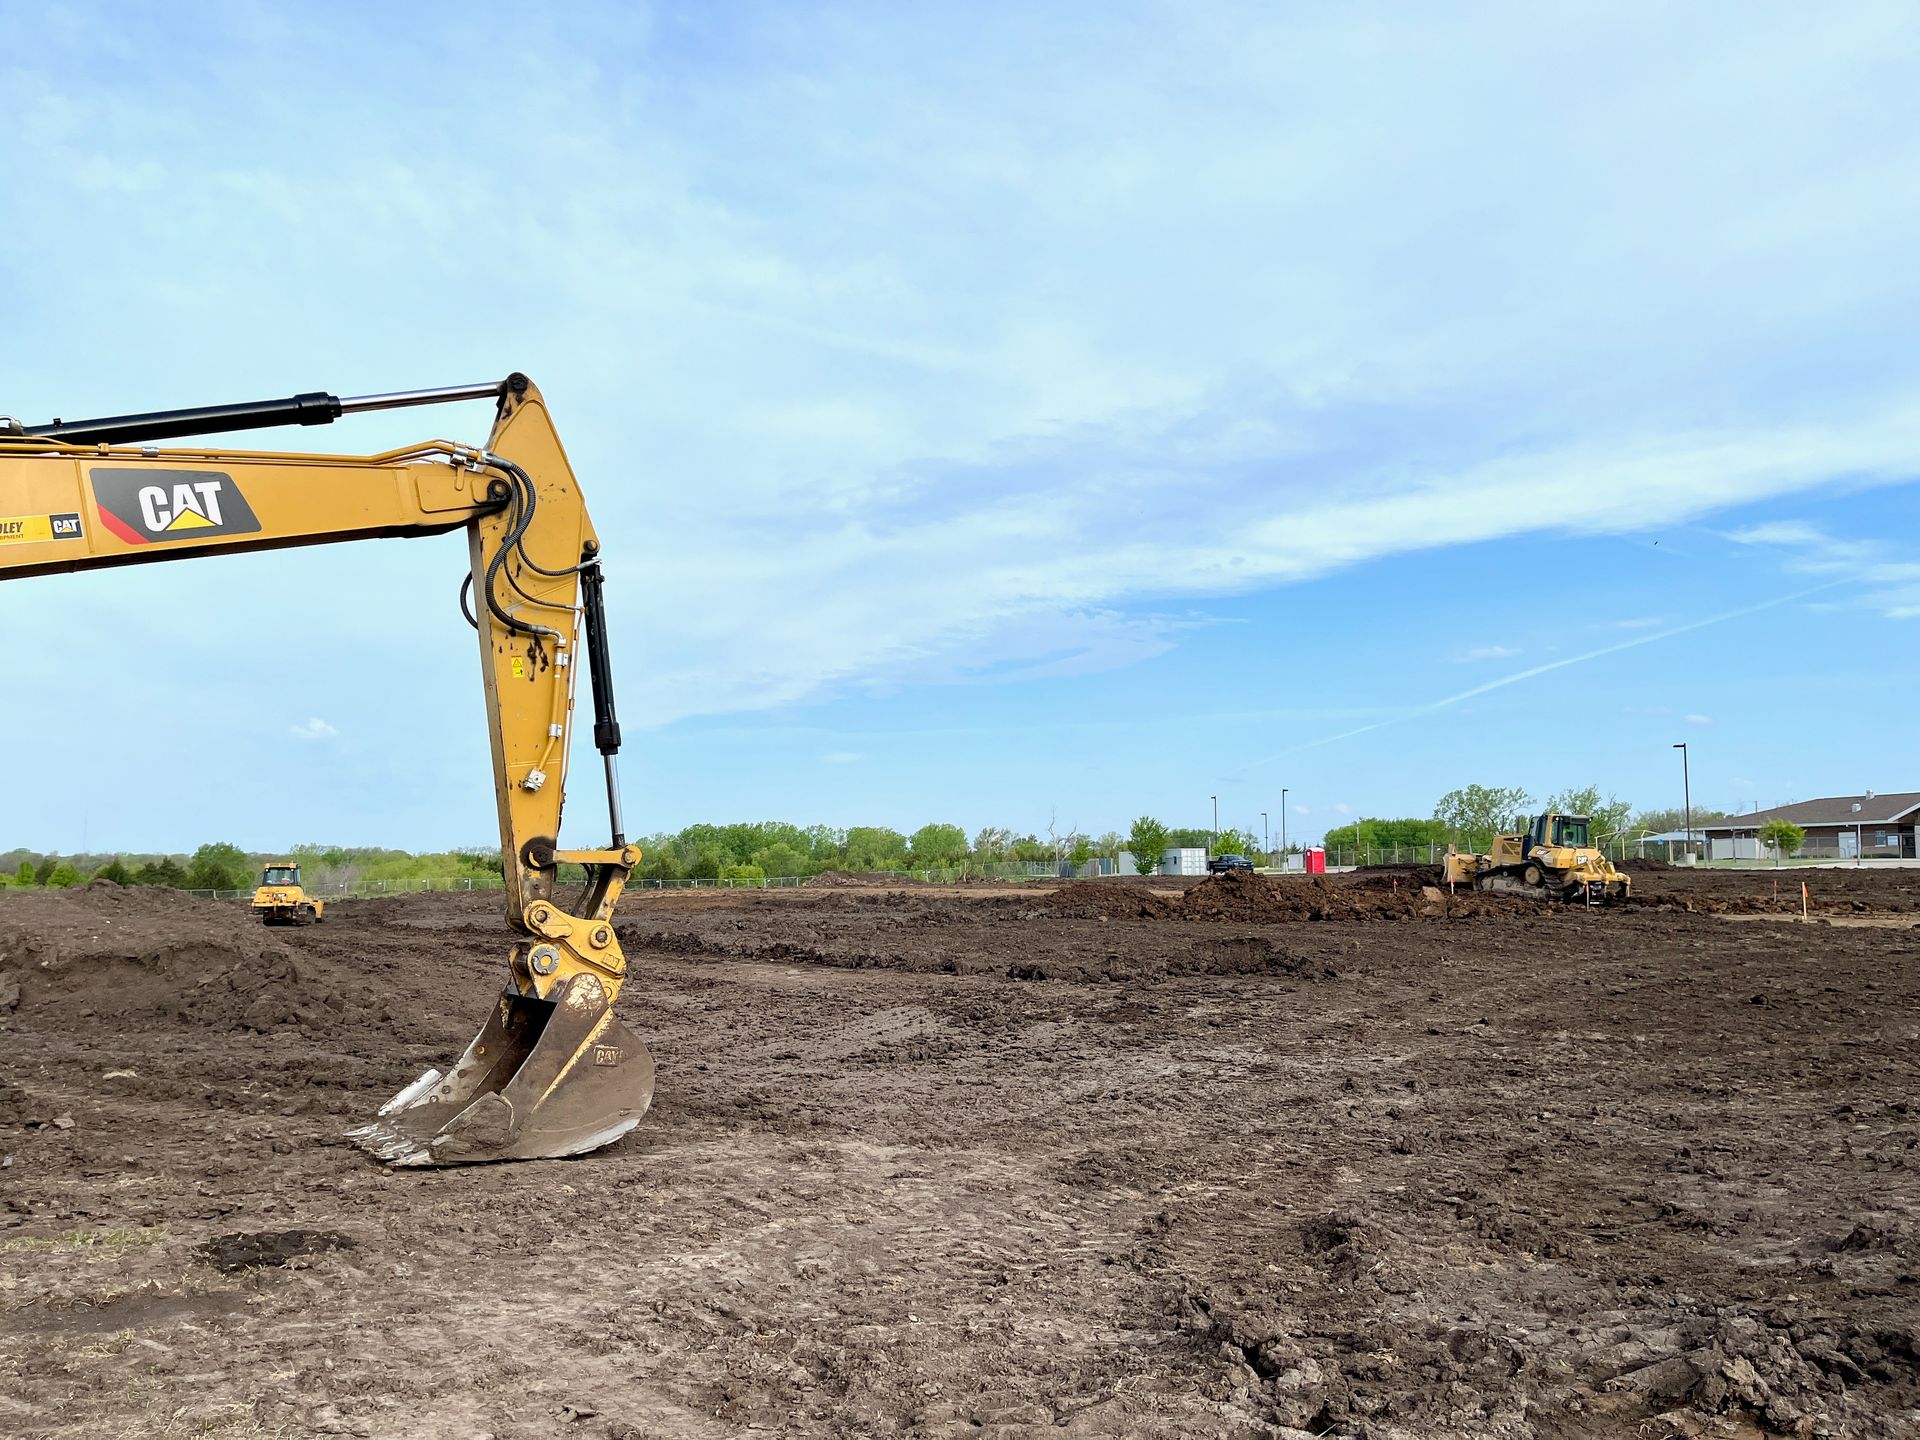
[1000, 414]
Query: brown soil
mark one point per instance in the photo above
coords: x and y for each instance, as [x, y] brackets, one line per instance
[1842, 890]
[1240, 1158]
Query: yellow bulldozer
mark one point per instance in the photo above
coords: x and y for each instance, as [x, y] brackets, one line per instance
[281, 901]
[1552, 857]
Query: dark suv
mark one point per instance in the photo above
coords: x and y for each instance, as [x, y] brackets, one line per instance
[1221, 864]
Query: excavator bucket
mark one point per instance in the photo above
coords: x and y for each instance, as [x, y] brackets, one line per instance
[542, 1079]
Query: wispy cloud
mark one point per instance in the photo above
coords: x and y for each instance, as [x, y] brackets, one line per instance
[830, 309]
[842, 757]
[1889, 583]
[1486, 652]
[314, 729]
[1530, 673]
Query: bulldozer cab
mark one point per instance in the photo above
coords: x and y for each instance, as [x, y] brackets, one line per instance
[1570, 831]
[280, 875]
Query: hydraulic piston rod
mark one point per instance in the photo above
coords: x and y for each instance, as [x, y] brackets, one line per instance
[314, 407]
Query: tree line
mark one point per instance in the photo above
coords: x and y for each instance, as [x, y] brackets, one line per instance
[1468, 817]
[222, 866]
[1473, 815]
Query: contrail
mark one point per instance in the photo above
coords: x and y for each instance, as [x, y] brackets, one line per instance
[1528, 674]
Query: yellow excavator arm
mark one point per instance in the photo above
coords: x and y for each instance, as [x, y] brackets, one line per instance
[553, 1071]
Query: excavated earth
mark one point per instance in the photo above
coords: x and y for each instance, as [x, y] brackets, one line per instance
[1245, 1158]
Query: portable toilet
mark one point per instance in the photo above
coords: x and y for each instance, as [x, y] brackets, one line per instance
[1316, 858]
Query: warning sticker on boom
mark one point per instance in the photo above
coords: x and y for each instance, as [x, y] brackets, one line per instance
[15, 529]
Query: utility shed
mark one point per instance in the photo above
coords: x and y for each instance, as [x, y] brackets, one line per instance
[1184, 862]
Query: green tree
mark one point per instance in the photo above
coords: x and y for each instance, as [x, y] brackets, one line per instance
[708, 864]
[993, 843]
[1147, 843]
[64, 874]
[782, 859]
[1610, 815]
[1236, 842]
[874, 847]
[1404, 834]
[662, 864]
[24, 877]
[115, 871]
[1472, 816]
[219, 866]
[44, 875]
[164, 871]
[737, 873]
[1783, 837]
[826, 846]
[937, 846]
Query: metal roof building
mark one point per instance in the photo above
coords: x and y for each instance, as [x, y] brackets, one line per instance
[1839, 827]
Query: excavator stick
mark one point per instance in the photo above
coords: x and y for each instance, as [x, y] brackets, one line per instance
[552, 1071]
[544, 1078]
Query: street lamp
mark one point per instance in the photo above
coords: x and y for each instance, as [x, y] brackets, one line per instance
[1686, 791]
[1216, 821]
[1263, 836]
[1283, 827]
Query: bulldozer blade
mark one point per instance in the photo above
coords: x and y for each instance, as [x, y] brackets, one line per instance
[542, 1079]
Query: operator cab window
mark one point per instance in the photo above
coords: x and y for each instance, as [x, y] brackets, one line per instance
[282, 875]
[1570, 832]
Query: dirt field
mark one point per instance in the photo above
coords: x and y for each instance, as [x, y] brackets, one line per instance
[1234, 1160]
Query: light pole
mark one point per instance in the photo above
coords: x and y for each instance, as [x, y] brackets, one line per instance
[1214, 837]
[1283, 828]
[1686, 792]
[1263, 837]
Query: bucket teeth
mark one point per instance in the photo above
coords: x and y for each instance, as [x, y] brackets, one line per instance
[543, 1078]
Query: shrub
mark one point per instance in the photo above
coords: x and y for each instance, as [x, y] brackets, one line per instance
[1783, 837]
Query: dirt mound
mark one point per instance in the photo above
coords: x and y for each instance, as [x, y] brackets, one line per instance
[103, 952]
[1106, 900]
[857, 880]
[1259, 900]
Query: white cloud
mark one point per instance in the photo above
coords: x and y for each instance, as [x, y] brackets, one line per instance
[1701, 720]
[1639, 622]
[1301, 810]
[842, 757]
[1344, 808]
[1888, 584]
[834, 310]
[314, 729]
[1487, 652]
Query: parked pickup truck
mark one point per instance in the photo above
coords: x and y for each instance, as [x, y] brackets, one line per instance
[1220, 864]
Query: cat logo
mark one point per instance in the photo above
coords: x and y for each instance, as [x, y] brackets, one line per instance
[17, 529]
[142, 507]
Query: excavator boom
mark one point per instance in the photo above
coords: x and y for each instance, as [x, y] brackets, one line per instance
[552, 1071]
